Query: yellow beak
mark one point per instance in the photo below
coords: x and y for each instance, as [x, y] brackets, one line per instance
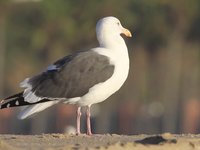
[126, 32]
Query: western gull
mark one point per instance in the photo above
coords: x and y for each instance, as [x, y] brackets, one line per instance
[83, 78]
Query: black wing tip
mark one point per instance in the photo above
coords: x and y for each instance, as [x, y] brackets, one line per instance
[18, 101]
[11, 103]
[14, 96]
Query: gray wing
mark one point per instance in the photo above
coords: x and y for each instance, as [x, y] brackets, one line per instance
[72, 76]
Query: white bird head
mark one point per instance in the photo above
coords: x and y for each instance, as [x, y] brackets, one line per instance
[109, 29]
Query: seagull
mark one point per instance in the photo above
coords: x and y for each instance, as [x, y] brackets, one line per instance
[83, 78]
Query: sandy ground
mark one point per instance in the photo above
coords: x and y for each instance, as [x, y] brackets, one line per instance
[99, 142]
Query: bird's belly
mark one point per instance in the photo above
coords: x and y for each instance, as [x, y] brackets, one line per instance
[102, 91]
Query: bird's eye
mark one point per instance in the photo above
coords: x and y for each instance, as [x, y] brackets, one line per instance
[118, 23]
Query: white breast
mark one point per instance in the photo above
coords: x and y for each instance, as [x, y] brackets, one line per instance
[102, 91]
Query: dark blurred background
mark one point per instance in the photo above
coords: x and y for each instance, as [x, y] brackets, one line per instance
[162, 91]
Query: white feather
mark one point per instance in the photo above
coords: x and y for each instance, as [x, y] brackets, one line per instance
[29, 96]
[25, 84]
[31, 110]
[52, 67]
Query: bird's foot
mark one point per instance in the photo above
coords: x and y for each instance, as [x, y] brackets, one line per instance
[78, 133]
[89, 133]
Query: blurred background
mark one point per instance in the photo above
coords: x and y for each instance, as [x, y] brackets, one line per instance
[162, 91]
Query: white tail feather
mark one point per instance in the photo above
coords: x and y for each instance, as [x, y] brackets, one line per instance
[30, 110]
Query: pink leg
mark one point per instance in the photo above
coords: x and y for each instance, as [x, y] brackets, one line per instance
[78, 122]
[88, 121]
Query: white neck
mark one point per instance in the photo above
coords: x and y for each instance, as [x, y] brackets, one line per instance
[112, 42]
[115, 48]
